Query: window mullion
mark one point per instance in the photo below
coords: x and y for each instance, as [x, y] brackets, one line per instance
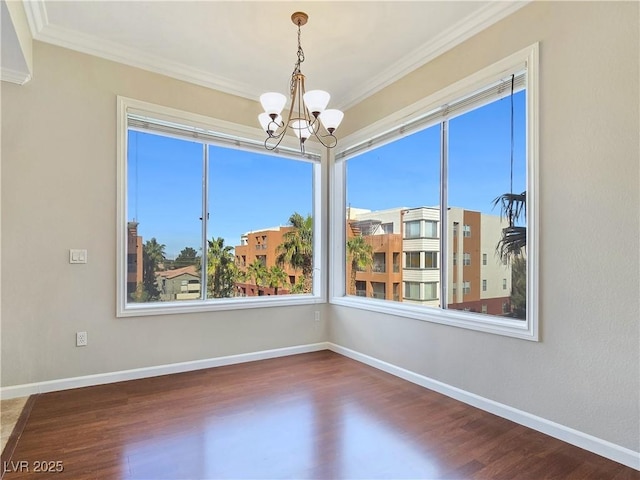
[444, 264]
[205, 220]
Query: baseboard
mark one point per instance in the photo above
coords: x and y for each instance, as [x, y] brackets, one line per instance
[583, 440]
[134, 374]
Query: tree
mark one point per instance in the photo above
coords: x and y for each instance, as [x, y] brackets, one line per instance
[360, 254]
[519, 287]
[257, 272]
[152, 256]
[512, 246]
[276, 277]
[296, 249]
[221, 269]
[298, 287]
[513, 207]
[188, 256]
[140, 295]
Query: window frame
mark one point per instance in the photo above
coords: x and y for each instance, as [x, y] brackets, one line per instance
[389, 129]
[229, 134]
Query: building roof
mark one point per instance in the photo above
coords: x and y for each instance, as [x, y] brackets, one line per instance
[188, 270]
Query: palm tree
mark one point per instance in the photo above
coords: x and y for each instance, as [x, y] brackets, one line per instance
[296, 249]
[276, 277]
[221, 269]
[519, 287]
[257, 271]
[152, 256]
[513, 207]
[360, 254]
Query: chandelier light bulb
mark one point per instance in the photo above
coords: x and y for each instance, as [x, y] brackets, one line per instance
[316, 101]
[302, 129]
[273, 103]
[268, 124]
[331, 119]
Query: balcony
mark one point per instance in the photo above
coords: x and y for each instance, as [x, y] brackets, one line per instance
[378, 268]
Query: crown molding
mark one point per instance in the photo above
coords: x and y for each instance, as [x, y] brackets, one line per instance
[15, 76]
[36, 15]
[43, 31]
[458, 33]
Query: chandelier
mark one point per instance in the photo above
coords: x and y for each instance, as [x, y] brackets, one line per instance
[308, 111]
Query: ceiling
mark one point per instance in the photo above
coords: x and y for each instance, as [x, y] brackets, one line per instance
[352, 49]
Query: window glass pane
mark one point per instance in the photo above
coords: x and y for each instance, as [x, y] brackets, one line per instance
[431, 229]
[431, 260]
[164, 226]
[260, 228]
[393, 194]
[412, 290]
[413, 259]
[480, 172]
[431, 291]
[412, 229]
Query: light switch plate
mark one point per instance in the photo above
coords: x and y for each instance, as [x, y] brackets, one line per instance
[77, 256]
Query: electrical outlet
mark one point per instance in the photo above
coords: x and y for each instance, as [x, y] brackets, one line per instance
[81, 339]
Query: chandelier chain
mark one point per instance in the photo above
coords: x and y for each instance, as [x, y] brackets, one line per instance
[296, 69]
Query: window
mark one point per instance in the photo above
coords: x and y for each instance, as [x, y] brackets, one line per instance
[387, 227]
[430, 259]
[361, 288]
[504, 283]
[412, 260]
[185, 220]
[466, 130]
[412, 290]
[412, 229]
[484, 308]
[431, 229]
[379, 263]
[431, 291]
[379, 290]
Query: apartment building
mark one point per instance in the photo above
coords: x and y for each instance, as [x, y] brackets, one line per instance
[262, 245]
[407, 258]
[179, 284]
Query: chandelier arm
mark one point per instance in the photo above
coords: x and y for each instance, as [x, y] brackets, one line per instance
[327, 145]
[273, 137]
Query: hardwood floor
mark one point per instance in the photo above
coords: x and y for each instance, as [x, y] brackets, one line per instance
[316, 415]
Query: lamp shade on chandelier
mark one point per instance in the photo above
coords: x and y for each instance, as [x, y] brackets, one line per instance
[308, 114]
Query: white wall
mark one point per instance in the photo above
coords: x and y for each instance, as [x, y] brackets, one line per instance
[585, 372]
[59, 192]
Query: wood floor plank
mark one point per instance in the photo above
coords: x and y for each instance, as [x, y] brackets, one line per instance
[317, 415]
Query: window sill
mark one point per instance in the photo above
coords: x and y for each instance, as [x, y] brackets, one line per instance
[469, 320]
[169, 308]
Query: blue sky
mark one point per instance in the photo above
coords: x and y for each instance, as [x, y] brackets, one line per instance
[406, 173]
[252, 191]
